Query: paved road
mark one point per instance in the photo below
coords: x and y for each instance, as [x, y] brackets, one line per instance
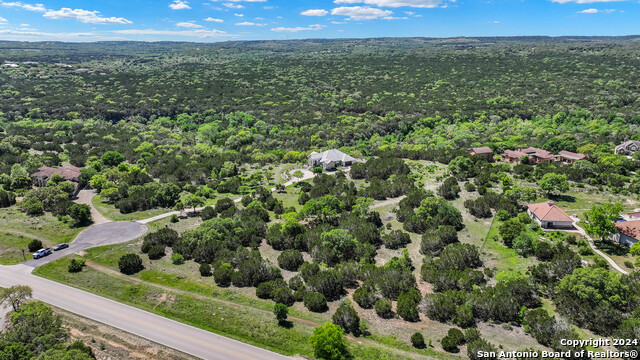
[97, 235]
[185, 338]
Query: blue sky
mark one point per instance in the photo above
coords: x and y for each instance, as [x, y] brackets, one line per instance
[223, 20]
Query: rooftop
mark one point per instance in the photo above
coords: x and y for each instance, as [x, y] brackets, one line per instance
[549, 211]
[571, 155]
[629, 228]
[482, 150]
[66, 172]
[330, 156]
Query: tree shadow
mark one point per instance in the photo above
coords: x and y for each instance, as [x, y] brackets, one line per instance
[285, 324]
[612, 248]
[565, 198]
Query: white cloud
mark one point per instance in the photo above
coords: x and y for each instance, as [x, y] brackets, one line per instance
[2, 20]
[179, 5]
[338, 22]
[85, 16]
[248, 23]
[214, 20]
[395, 18]
[30, 7]
[239, 15]
[583, 1]
[394, 3]
[361, 12]
[299, 28]
[188, 33]
[233, 6]
[189, 24]
[596, 11]
[314, 12]
[39, 34]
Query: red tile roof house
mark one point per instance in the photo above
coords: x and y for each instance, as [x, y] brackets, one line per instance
[538, 155]
[628, 232]
[484, 151]
[568, 157]
[550, 216]
[513, 156]
[68, 173]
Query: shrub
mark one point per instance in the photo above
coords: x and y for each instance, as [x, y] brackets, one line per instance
[156, 252]
[449, 344]
[347, 318]
[32, 206]
[471, 335]
[315, 302]
[456, 335]
[222, 274]
[290, 260]
[205, 270]
[365, 296]
[383, 308]
[174, 218]
[396, 239]
[208, 212]
[283, 295]
[34, 245]
[329, 342]
[280, 311]
[76, 265]
[408, 305]
[417, 340]
[177, 259]
[130, 264]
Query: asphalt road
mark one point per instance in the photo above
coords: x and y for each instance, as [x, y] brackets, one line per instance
[185, 338]
[96, 235]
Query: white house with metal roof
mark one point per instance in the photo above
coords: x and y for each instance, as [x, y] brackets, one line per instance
[330, 159]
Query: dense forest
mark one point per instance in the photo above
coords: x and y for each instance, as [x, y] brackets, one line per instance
[175, 126]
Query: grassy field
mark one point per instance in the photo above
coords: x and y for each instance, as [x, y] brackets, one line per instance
[12, 246]
[45, 227]
[203, 304]
[110, 212]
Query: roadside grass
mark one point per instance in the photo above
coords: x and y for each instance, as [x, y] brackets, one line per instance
[218, 310]
[110, 212]
[11, 247]
[45, 227]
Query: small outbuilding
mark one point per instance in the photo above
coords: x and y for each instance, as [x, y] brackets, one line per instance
[550, 216]
[484, 152]
[569, 157]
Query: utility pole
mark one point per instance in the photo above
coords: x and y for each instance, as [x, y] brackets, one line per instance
[23, 256]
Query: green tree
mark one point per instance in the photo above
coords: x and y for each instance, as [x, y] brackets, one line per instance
[599, 221]
[347, 317]
[130, 264]
[509, 230]
[325, 207]
[280, 311]
[552, 183]
[14, 296]
[193, 201]
[329, 342]
[81, 214]
[112, 158]
[34, 245]
[32, 206]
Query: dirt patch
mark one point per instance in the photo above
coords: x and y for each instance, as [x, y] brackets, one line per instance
[110, 343]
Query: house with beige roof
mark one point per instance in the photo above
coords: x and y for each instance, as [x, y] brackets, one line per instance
[550, 216]
[68, 173]
[483, 151]
[330, 159]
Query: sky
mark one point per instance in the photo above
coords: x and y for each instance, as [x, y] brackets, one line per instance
[226, 20]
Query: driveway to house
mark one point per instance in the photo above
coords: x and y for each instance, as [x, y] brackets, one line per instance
[84, 197]
[96, 235]
[593, 247]
[179, 336]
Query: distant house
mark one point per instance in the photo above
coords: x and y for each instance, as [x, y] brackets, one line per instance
[568, 157]
[628, 148]
[550, 216]
[68, 173]
[484, 152]
[538, 155]
[10, 65]
[628, 232]
[513, 156]
[330, 159]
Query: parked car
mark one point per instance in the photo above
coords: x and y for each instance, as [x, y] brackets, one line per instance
[60, 246]
[42, 253]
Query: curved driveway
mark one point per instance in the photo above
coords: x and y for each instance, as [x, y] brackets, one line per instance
[96, 235]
